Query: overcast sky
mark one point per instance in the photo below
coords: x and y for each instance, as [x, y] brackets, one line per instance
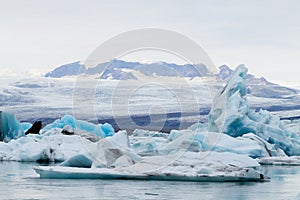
[262, 34]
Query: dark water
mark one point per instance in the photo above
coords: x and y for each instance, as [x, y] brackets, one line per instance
[19, 181]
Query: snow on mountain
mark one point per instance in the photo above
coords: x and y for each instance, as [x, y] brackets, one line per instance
[259, 87]
[114, 69]
[122, 70]
[70, 69]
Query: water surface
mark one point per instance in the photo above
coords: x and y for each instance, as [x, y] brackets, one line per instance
[19, 181]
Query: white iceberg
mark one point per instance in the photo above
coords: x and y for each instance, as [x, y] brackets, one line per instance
[198, 141]
[118, 157]
[191, 155]
[280, 160]
[52, 146]
[182, 166]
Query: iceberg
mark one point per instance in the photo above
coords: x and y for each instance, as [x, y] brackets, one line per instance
[51, 146]
[10, 127]
[119, 157]
[280, 160]
[231, 114]
[190, 155]
[100, 130]
[187, 155]
[179, 166]
[197, 140]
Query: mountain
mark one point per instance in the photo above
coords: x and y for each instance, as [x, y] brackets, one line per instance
[118, 69]
[122, 70]
[224, 73]
[259, 87]
[70, 69]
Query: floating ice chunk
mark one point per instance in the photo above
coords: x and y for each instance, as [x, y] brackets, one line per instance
[281, 160]
[51, 146]
[101, 130]
[183, 166]
[241, 175]
[10, 127]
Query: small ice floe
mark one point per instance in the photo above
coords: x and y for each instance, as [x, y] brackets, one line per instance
[283, 160]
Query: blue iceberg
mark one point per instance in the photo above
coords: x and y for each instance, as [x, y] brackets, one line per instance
[231, 114]
[100, 130]
[10, 127]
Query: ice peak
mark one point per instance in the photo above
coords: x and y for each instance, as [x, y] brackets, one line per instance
[233, 96]
[231, 114]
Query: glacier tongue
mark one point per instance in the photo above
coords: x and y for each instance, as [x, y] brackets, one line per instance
[231, 114]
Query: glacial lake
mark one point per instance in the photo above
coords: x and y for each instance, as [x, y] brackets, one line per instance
[19, 181]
